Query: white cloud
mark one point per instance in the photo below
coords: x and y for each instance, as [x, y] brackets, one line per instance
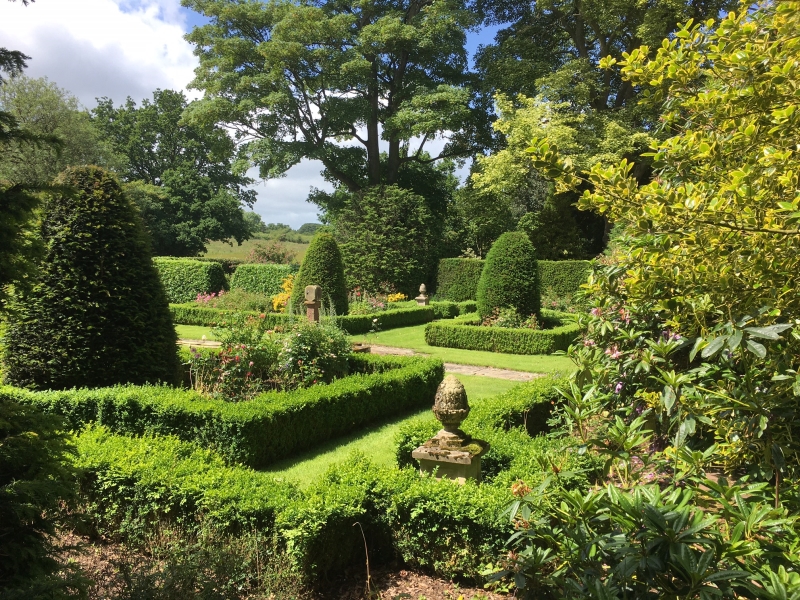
[102, 47]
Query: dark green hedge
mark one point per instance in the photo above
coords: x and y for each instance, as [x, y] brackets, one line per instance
[457, 278]
[471, 336]
[271, 426]
[387, 319]
[193, 314]
[229, 265]
[184, 278]
[261, 278]
[562, 278]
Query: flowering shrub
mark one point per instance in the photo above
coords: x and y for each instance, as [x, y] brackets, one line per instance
[313, 353]
[398, 297]
[236, 299]
[243, 366]
[362, 303]
[281, 301]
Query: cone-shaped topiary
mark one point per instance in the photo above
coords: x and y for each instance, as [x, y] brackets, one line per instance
[510, 276]
[97, 314]
[322, 266]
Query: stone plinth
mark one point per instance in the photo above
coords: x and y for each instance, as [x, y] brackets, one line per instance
[451, 453]
[422, 299]
[313, 301]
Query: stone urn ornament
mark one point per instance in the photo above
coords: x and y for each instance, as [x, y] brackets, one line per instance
[451, 453]
[422, 299]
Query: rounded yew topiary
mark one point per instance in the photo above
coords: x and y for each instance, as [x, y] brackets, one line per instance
[97, 314]
[322, 266]
[510, 276]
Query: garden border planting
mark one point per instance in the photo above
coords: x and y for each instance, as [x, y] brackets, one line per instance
[470, 335]
[258, 432]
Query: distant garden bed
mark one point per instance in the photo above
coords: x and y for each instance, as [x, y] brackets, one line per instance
[558, 332]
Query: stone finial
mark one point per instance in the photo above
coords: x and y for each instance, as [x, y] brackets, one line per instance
[422, 299]
[451, 453]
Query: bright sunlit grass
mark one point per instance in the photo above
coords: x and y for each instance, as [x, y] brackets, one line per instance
[376, 442]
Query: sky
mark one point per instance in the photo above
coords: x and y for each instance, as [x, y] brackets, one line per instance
[121, 48]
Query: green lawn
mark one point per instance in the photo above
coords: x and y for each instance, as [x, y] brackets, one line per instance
[377, 442]
[194, 332]
[414, 338]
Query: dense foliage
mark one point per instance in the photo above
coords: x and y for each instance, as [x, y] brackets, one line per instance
[183, 278]
[691, 354]
[510, 277]
[97, 314]
[181, 175]
[457, 278]
[322, 266]
[263, 279]
[35, 478]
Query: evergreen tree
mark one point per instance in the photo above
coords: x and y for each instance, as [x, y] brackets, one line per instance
[322, 266]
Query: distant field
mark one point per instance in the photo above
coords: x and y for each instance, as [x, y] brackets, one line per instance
[224, 250]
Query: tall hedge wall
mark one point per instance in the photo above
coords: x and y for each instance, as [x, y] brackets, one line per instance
[458, 277]
[261, 278]
[184, 278]
[258, 432]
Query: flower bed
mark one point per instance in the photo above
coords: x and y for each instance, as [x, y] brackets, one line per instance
[470, 335]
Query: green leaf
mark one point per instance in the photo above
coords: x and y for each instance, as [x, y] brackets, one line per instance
[756, 348]
[714, 347]
[768, 333]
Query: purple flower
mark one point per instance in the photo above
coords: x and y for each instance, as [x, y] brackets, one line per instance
[619, 387]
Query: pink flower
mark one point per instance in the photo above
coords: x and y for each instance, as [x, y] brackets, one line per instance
[588, 343]
[251, 363]
[613, 353]
[596, 311]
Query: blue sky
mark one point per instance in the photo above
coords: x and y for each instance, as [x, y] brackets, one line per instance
[121, 48]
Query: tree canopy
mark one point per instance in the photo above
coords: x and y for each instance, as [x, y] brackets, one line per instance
[339, 82]
[200, 192]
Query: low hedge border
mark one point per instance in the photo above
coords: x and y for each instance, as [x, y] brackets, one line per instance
[134, 484]
[263, 279]
[272, 426]
[386, 319]
[184, 278]
[469, 335]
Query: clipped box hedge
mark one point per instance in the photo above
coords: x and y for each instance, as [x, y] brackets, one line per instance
[272, 426]
[458, 277]
[387, 319]
[184, 278]
[470, 335]
[192, 314]
[261, 278]
[228, 265]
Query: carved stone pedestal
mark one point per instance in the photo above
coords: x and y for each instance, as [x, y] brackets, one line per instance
[451, 453]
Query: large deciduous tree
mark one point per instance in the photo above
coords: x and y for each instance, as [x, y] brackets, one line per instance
[181, 175]
[362, 87]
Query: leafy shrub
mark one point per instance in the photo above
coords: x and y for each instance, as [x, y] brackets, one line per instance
[184, 278]
[510, 276]
[508, 317]
[273, 253]
[269, 427]
[246, 360]
[469, 335]
[236, 299]
[398, 297]
[312, 353]
[35, 477]
[281, 300]
[457, 279]
[192, 314]
[97, 314]
[322, 266]
[261, 279]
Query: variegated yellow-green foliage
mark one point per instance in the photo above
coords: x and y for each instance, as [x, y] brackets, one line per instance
[716, 234]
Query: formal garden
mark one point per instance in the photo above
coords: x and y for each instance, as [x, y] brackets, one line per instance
[315, 419]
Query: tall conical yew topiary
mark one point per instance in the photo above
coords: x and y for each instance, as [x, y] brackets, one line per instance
[97, 314]
[322, 266]
[510, 276]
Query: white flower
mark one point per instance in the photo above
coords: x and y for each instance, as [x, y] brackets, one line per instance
[203, 338]
[374, 320]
